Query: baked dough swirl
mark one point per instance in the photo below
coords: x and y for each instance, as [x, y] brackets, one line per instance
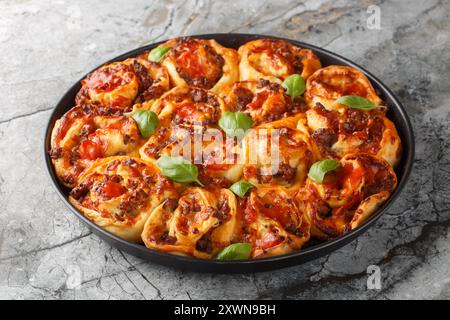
[201, 63]
[200, 223]
[115, 87]
[275, 60]
[85, 134]
[337, 129]
[347, 196]
[187, 114]
[262, 100]
[119, 193]
[338, 132]
[332, 82]
[273, 222]
[278, 152]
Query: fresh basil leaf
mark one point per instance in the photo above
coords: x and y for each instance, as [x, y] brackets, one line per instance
[236, 251]
[356, 102]
[295, 85]
[147, 122]
[178, 169]
[319, 169]
[158, 53]
[235, 124]
[240, 188]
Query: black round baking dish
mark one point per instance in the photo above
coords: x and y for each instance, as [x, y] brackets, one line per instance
[396, 113]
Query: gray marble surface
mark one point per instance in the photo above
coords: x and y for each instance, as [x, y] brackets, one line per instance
[45, 252]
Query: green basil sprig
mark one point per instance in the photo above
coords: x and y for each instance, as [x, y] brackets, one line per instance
[319, 169]
[235, 124]
[356, 102]
[147, 122]
[236, 251]
[158, 53]
[240, 188]
[178, 169]
[295, 85]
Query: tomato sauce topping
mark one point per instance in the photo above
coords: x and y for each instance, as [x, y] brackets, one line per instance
[268, 103]
[331, 116]
[348, 173]
[111, 189]
[243, 95]
[200, 113]
[378, 176]
[277, 208]
[197, 63]
[274, 206]
[269, 240]
[340, 84]
[67, 121]
[280, 55]
[250, 213]
[109, 78]
[91, 150]
[353, 174]
[367, 126]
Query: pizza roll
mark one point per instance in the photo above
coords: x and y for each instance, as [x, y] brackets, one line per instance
[200, 224]
[84, 134]
[221, 163]
[336, 133]
[332, 82]
[216, 156]
[201, 63]
[275, 60]
[188, 106]
[278, 152]
[348, 195]
[273, 222]
[189, 129]
[183, 111]
[118, 85]
[262, 100]
[119, 193]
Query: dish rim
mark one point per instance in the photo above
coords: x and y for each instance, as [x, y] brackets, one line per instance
[251, 265]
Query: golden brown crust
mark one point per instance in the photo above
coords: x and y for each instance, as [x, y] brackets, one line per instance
[275, 60]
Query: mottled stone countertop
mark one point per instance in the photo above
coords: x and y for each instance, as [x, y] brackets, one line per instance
[45, 252]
